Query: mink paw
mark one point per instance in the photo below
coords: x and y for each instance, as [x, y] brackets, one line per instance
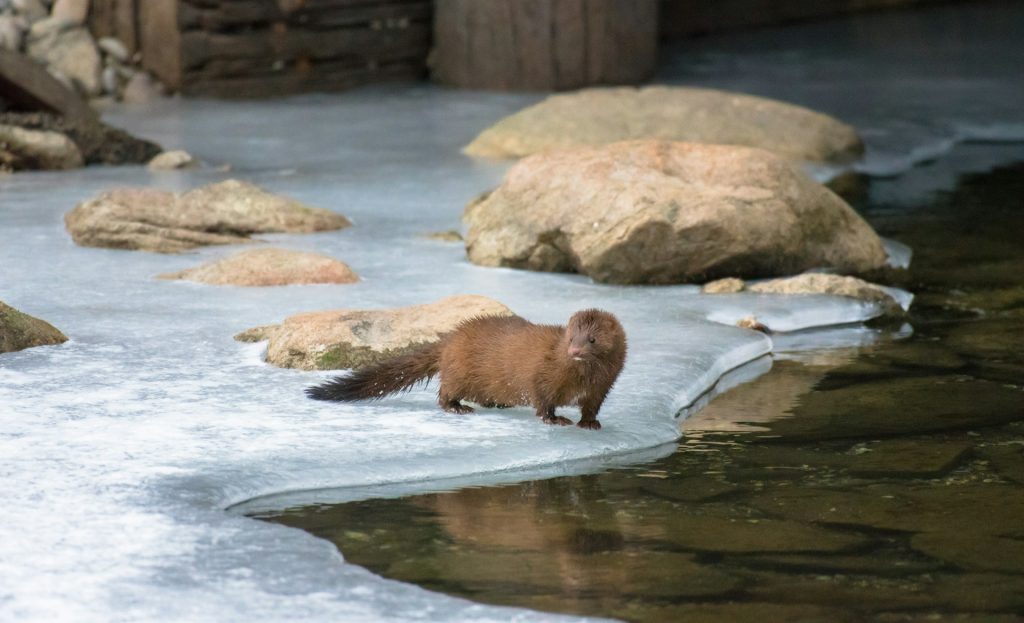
[556, 419]
[589, 424]
[458, 408]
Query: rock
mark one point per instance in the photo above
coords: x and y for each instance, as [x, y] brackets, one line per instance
[19, 331]
[109, 80]
[48, 27]
[835, 285]
[223, 213]
[972, 551]
[713, 612]
[32, 10]
[175, 159]
[753, 324]
[114, 48]
[690, 489]
[73, 53]
[909, 458]
[98, 142]
[664, 212]
[10, 33]
[74, 11]
[269, 267]
[729, 285]
[607, 115]
[37, 149]
[140, 89]
[352, 338]
[444, 236]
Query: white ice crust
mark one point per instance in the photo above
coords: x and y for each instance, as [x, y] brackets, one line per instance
[121, 450]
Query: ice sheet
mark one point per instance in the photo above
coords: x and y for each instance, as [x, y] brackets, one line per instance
[120, 450]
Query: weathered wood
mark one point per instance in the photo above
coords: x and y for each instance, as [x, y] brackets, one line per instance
[115, 18]
[160, 40]
[544, 44]
[296, 82]
[26, 85]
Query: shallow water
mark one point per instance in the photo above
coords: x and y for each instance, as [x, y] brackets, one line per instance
[882, 482]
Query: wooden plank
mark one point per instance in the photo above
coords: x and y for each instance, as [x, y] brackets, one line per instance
[26, 85]
[296, 82]
[161, 40]
[231, 17]
[115, 18]
[198, 47]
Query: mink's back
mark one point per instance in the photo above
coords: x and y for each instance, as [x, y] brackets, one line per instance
[496, 359]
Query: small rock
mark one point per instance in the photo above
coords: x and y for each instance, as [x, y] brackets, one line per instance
[269, 267]
[174, 159]
[18, 331]
[74, 11]
[48, 27]
[223, 213]
[444, 236]
[73, 53]
[109, 80]
[114, 48]
[141, 88]
[32, 10]
[352, 338]
[836, 285]
[21, 148]
[729, 285]
[753, 324]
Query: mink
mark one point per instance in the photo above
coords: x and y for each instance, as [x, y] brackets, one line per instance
[497, 361]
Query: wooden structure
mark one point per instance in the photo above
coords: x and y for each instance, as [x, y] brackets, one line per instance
[26, 86]
[254, 48]
[544, 44]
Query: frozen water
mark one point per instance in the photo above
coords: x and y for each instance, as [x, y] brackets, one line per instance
[121, 449]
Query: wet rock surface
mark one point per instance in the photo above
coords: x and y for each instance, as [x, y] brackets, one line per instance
[19, 331]
[269, 267]
[606, 115]
[99, 143]
[666, 212]
[352, 338]
[223, 213]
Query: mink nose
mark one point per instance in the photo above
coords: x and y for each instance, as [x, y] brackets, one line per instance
[575, 351]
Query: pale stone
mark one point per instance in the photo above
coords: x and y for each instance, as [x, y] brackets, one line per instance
[606, 115]
[140, 89]
[174, 159]
[836, 285]
[223, 213]
[666, 212]
[114, 48]
[269, 267]
[729, 285]
[10, 33]
[37, 149]
[73, 53]
[32, 10]
[74, 11]
[352, 338]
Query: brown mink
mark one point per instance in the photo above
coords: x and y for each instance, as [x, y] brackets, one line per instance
[501, 362]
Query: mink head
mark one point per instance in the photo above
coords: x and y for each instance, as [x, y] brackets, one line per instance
[593, 334]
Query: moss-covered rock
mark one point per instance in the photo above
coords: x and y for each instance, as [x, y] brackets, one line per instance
[18, 331]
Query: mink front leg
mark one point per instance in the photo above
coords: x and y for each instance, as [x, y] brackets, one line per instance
[589, 407]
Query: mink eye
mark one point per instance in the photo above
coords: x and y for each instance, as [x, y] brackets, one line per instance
[592, 340]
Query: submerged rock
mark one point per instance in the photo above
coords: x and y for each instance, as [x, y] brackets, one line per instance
[353, 338]
[22, 148]
[269, 267]
[813, 283]
[607, 115]
[666, 212]
[18, 331]
[224, 213]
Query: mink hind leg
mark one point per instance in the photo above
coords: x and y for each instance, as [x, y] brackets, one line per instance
[547, 415]
[451, 402]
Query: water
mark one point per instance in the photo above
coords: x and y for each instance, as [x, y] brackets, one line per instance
[883, 482]
[123, 450]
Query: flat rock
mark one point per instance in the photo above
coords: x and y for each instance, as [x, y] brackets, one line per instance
[21, 148]
[730, 535]
[909, 458]
[812, 283]
[18, 331]
[224, 213]
[444, 236]
[972, 551]
[352, 338]
[606, 115]
[269, 267]
[691, 489]
[666, 212]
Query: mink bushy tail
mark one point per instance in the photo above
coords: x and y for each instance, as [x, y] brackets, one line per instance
[388, 377]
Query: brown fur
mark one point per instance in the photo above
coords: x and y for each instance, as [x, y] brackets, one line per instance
[503, 362]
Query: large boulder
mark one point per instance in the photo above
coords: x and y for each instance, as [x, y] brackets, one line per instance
[21, 148]
[353, 338]
[18, 331]
[269, 267]
[666, 212]
[224, 213]
[606, 115]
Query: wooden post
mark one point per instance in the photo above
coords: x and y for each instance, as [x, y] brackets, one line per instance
[544, 44]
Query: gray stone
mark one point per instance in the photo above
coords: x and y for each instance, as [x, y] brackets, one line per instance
[10, 33]
[32, 10]
[114, 48]
[73, 53]
[74, 11]
[109, 81]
